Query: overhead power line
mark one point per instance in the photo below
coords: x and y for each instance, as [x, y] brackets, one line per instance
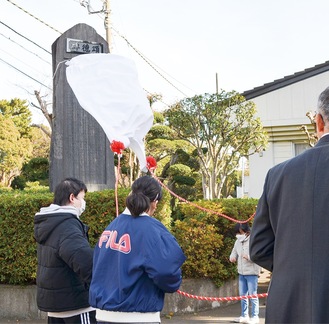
[157, 99]
[24, 37]
[25, 62]
[34, 16]
[24, 48]
[152, 64]
[24, 73]
[143, 57]
[129, 44]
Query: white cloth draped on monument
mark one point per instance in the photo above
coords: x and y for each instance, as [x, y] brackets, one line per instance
[107, 86]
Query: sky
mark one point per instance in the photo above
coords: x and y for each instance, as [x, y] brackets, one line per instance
[180, 47]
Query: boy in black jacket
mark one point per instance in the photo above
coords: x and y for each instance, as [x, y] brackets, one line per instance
[64, 256]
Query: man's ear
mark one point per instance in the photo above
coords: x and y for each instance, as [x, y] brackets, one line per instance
[71, 198]
[319, 123]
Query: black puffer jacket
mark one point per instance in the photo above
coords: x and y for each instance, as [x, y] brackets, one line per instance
[64, 259]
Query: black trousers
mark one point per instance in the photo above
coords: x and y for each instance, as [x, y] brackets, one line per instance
[98, 322]
[84, 318]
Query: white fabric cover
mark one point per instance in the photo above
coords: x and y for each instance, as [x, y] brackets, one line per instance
[107, 86]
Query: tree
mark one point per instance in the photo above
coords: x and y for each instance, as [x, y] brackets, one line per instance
[232, 181]
[312, 137]
[176, 164]
[40, 141]
[222, 128]
[36, 170]
[18, 111]
[43, 107]
[13, 150]
[15, 138]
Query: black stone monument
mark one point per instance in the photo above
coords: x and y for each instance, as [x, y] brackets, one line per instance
[79, 146]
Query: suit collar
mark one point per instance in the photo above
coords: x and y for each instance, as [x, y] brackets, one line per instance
[323, 140]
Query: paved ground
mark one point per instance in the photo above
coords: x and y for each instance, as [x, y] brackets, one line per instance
[226, 313]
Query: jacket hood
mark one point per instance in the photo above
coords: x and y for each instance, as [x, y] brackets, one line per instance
[49, 218]
[57, 209]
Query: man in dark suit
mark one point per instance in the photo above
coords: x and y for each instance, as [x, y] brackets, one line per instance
[290, 233]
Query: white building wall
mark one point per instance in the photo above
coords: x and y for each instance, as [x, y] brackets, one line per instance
[258, 167]
[282, 151]
[285, 106]
[260, 164]
[289, 105]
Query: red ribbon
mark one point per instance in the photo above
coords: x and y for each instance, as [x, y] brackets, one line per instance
[117, 147]
[151, 163]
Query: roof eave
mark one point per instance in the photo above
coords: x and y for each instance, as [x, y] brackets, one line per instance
[287, 80]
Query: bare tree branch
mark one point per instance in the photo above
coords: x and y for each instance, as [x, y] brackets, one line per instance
[45, 130]
[312, 138]
[43, 108]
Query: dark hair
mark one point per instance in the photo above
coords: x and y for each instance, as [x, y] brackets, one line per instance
[67, 187]
[143, 191]
[323, 104]
[241, 226]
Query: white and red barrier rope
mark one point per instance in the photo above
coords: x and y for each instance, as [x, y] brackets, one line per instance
[199, 207]
[221, 298]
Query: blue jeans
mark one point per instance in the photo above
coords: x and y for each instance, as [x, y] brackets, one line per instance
[248, 286]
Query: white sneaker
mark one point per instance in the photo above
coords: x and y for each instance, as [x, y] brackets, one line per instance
[254, 320]
[241, 319]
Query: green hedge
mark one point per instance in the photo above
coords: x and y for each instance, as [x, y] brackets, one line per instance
[17, 244]
[17, 210]
[206, 238]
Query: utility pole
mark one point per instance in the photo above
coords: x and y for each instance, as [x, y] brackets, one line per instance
[216, 83]
[107, 22]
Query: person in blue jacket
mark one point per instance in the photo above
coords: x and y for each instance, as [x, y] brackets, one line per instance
[136, 261]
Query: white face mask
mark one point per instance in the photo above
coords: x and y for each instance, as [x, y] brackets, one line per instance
[240, 237]
[82, 208]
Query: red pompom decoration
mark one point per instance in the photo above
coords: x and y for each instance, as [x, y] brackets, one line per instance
[151, 163]
[117, 147]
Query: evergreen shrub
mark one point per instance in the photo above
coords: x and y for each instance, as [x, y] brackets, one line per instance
[208, 238]
[18, 256]
[205, 238]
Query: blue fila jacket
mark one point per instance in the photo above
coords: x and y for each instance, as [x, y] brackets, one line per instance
[136, 261]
